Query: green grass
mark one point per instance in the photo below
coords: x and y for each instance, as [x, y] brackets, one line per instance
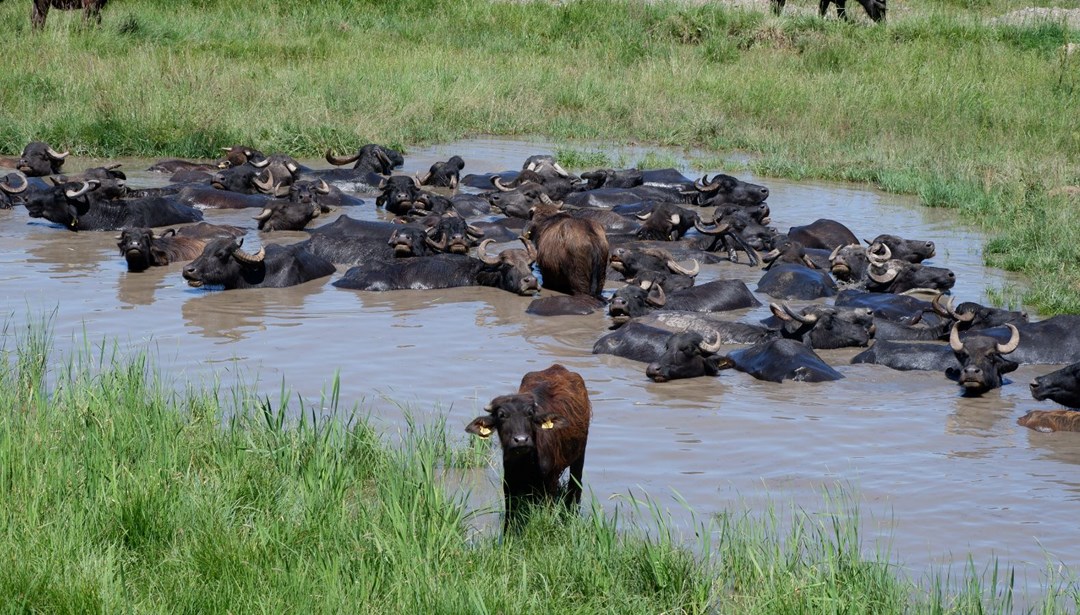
[974, 117]
[123, 492]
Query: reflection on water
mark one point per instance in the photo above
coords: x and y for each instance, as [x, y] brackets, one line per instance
[942, 474]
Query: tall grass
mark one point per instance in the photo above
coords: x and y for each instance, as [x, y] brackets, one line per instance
[939, 102]
[122, 494]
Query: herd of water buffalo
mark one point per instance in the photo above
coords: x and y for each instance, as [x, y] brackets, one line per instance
[653, 228]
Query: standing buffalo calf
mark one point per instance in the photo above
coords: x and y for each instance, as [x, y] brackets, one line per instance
[91, 10]
[543, 430]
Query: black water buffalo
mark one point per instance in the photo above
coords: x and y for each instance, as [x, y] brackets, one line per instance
[224, 263]
[632, 261]
[982, 361]
[781, 359]
[1055, 340]
[666, 222]
[347, 241]
[823, 327]
[39, 159]
[727, 190]
[897, 276]
[792, 252]
[572, 253]
[822, 233]
[67, 204]
[791, 281]
[294, 212]
[905, 356]
[142, 249]
[635, 340]
[733, 230]
[91, 10]
[241, 179]
[670, 282]
[444, 174]
[543, 430]
[686, 355]
[643, 339]
[8, 189]
[875, 9]
[849, 264]
[716, 296]
[450, 233]
[1062, 386]
[520, 201]
[510, 270]
[970, 315]
[399, 194]
[610, 178]
[370, 158]
[910, 250]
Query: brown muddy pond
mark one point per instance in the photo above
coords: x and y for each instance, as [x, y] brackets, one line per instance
[937, 476]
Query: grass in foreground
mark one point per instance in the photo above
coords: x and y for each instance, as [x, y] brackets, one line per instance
[121, 495]
[938, 102]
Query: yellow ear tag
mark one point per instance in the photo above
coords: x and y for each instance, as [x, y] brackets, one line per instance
[484, 431]
[547, 424]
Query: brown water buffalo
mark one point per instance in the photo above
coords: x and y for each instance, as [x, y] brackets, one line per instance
[142, 249]
[1050, 420]
[572, 253]
[543, 430]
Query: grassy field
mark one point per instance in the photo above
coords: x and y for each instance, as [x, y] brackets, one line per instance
[122, 495]
[971, 116]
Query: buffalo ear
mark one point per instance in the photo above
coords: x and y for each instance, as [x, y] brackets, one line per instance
[1008, 366]
[159, 257]
[952, 373]
[481, 426]
[551, 420]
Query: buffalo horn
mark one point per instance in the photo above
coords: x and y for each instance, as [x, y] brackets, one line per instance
[482, 254]
[425, 178]
[260, 164]
[771, 255]
[86, 187]
[530, 249]
[716, 229]
[340, 160]
[323, 187]
[6, 187]
[876, 258]
[710, 347]
[497, 182]
[660, 298]
[561, 171]
[416, 181]
[677, 268]
[806, 319]
[438, 246]
[264, 215]
[291, 166]
[268, 185]
[944, 310]
[954, 339]
[779, 312]
[474, 231]
[706, 186]
[644, 284]
[249, 259]
[643, 216]
[835, 253]
[55, 155]
[884, 278]
[1012, 344]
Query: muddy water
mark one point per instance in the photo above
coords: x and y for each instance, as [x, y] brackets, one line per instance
[938, 476]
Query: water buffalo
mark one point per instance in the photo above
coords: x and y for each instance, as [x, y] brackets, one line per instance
[572, 253]
[632, 261]
[91, 10]
[875, 9]
[670, 282]
[347, 241]
[68, 205]
[294, 212]
[910, 250]
[444, 174]
[1062, 386]
[224, 263]
[822, 327]
[510, 270]
[7, 188]
[543, 429]
[906, 356]
[796, 281]
[370, 158]
[982, 361]
[822, 233]
[781, 359]
[643, 339]
[666, 222]
[610, 178]
[716, 296]
[142, 249]
[727, 190]
[39, 159]
[686, 355]
[1047, 421]
[849, 264]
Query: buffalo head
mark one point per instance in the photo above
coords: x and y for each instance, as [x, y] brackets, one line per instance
[39, 159]
[982, 361]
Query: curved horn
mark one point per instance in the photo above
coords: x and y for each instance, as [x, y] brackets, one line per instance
[779, 312]
[249, 259]
[561, 171]
[771, 255]
[710, 347]
[706, 186]
[641, 216]
[6, 187]
[482, 254]
[885, 255]
[835, 252]
[806, 319]
[716, 229]
[260, 164]
[497, 182]
[1012, 344]
[415, 180]
[530, 249]
[86, 187]
[474, 231]
[55, 155]
[323, 187]
[944, 310]
[965, 316]
[264, 215]
[425, 178]
[884, 278]
[340, 160]
[661, 298]
[677, 268]
[268, 185]
[954, 339]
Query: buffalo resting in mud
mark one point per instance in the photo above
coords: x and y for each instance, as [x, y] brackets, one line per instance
[223, 263]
